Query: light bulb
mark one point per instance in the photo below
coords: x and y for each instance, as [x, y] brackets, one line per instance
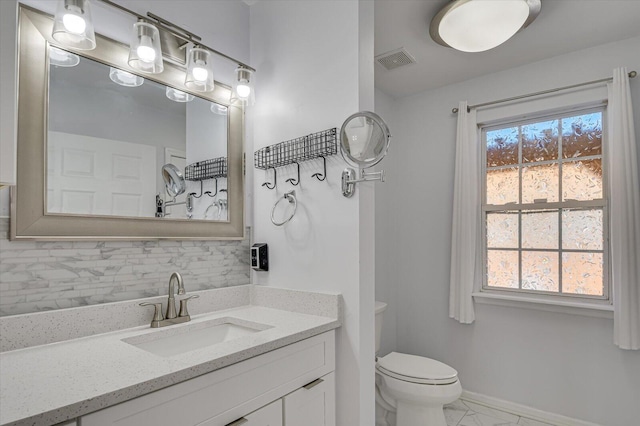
[243, 90]
[74, 24]
[200, 74]
[145, 51]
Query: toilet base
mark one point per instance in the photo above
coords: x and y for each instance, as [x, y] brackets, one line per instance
[419, 415]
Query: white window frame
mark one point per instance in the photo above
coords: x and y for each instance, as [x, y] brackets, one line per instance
[532, 298]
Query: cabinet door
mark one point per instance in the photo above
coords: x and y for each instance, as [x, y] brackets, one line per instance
[312, 405]
[271, 415]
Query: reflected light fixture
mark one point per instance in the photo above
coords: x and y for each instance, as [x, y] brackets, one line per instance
[72, 26]
[243, 87]
[145, 53]
[62, 58]
[178, 95]
[218, 109]
[199, 70]
[479, 25]
[124, 78]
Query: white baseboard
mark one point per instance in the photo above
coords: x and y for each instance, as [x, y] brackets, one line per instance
[522, 410]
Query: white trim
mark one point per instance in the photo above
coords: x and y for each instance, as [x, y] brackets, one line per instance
[566, 307]
[522, 410]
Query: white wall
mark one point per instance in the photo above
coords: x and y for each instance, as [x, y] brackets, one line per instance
[310, 78]
[556, 362]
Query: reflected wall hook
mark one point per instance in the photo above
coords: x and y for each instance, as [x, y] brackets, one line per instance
[215, 193]
[293, 181]
[275, 180]
[194, 194]
[321, 176]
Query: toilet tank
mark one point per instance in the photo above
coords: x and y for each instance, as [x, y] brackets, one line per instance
[380, 308]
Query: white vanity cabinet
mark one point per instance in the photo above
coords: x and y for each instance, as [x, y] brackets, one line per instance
[247, 393]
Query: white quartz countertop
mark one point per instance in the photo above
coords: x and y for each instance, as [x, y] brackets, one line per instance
[51, 383]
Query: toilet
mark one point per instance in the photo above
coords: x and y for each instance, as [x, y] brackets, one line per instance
[415, 388]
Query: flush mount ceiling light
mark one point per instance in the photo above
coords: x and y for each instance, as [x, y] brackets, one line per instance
[178, 95]
[243, 92]
[479, 25]
[124, 78]
[199, 70]
[219, 109]
[62, 58]
[145, 52]
[73, 26]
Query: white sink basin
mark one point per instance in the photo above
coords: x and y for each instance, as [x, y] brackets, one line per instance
[186, 338]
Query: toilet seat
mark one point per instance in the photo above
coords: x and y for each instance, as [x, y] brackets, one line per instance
[416, 369]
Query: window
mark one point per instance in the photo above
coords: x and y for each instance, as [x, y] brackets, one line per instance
[544, 208]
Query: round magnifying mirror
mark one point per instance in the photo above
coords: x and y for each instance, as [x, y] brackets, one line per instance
[173, 180]
[364, 139]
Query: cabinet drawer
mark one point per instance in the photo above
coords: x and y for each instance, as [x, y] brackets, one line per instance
[225, 395]
[271, 415]
[312, 405]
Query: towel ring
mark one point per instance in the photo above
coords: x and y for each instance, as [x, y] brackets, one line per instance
[291, 197]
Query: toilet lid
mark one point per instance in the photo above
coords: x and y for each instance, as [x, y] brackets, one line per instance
[416, 369]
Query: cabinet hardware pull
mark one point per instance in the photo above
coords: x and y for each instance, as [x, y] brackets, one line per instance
[313, 384]
[238, 422]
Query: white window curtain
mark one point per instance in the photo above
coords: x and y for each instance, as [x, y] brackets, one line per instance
[624, 214]
[466, 253]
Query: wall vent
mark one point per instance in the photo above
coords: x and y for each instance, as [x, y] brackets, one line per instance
[395, 59]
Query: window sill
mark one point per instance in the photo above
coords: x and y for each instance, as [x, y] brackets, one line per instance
[566, 307]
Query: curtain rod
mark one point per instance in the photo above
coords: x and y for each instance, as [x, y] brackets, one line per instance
[178, 32]
[632, 74]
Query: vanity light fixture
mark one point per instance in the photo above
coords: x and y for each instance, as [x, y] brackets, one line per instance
[72, 26]
[178, 95]
[218, 109]
[124, 78]
[145, 53]
[243, 90]
[62, 58]
[199, 70]
[479, 25]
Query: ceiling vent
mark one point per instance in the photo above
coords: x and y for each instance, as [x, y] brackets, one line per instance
[395, 58]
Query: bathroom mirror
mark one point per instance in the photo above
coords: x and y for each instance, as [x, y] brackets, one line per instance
[364, 139]
[93, 137]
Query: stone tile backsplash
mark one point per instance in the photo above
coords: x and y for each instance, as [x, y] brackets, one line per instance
[38, 276]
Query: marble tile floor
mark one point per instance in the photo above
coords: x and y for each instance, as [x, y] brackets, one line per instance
[466, 413]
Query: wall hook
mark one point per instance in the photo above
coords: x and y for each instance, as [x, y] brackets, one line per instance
[275, 180]
[293, 181]
[215, 193]
[194, 194]
[321, 176]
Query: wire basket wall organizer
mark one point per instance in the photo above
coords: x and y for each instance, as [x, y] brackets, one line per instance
[207, 169]
[315, 145]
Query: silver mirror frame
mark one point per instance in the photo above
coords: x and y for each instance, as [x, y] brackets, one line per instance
[356, 162]
[29, 217]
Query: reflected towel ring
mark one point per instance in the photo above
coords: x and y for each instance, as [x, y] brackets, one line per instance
[291, 197]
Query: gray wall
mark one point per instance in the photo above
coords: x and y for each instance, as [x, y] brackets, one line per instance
[556, 362]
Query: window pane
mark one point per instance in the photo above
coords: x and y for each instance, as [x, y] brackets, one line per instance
[502, 268]
[582, 135]
[502, 230]
[502, 147]
[582, 229]
[540, 141]
[582, 273]
[540, 271]
[540, 182]
[502, 186]
[540, 230]
[582, 180]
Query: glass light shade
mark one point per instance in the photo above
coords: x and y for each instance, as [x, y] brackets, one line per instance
[124, 78]
[178, 95]
[73, 26]
[62, 58]
[199, 70]
[479, 25]
[218, 109]
[145, 52]
[243, 87]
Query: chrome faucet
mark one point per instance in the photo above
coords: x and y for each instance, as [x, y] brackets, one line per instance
[171, 317]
